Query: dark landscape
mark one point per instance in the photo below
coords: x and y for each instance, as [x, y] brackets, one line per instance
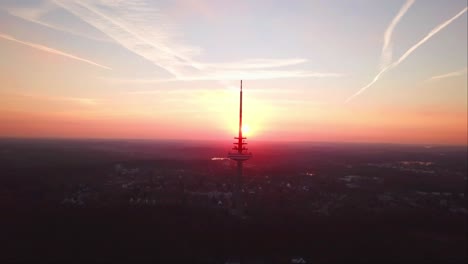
[169, 201]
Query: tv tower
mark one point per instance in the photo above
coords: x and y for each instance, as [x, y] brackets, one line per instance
[240, 155]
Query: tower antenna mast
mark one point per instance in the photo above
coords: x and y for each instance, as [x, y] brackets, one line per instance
[240, 155]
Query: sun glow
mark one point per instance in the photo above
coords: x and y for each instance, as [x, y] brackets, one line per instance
[246, 130]
[224, 104]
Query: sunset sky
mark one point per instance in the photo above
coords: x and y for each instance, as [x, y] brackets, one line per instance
[346, 71]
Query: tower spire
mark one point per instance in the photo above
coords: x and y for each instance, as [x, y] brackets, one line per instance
[240, 121]
[240, 155]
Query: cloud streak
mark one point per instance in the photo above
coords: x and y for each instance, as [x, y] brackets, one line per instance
[132, 25]
[35, 15]
[450, 74]
[255, 64]
[51, 50]
[428, 36]
[230, 76]
[405, 55]
[78, 100]
[386, 56]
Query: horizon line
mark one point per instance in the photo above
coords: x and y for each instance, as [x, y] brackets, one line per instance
[221, 140]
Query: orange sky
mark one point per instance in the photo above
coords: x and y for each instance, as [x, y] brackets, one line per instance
[386, 126]
[393, 72]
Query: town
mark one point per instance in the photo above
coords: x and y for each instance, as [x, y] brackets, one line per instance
[172, 201]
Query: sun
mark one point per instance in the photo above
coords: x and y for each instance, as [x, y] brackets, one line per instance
[246, 129]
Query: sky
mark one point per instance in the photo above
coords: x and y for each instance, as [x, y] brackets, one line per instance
[391, 71]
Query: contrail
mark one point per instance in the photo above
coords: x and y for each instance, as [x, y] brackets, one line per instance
[386, 56]
[33, 18]
[51, 50]
[428, 36]
[136, 33]
[369, 84]
[135, 26]
[408, 52]
[450, 74]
